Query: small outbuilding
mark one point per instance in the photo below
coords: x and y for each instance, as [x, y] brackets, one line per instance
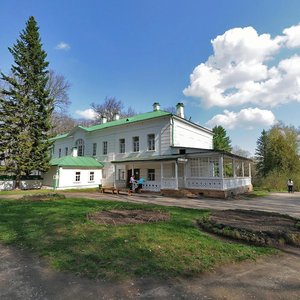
[73, 171]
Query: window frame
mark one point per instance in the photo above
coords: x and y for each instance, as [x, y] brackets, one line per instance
[150, 174]
[94, 149]
[135, 144]
[77, 176]
[122, 147]
[105, 148]
[92, 176]
[151, 142]
[80, 147]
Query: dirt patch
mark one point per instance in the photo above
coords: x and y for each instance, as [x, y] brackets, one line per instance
[43, 197]
[255, 227]
[124, 217]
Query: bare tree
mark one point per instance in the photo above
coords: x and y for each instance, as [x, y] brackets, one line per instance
[62, 123]
[170, 109]
[110, 106]
[59, 88]
[241, 152]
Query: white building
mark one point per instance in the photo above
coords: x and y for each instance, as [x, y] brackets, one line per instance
[171, 153]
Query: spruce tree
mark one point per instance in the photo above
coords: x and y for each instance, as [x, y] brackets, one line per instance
[262, 155]
[220, 139]
[25, 106]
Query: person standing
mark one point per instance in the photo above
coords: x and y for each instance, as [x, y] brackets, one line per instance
[131, 183]
[140, 182]
[290, 185]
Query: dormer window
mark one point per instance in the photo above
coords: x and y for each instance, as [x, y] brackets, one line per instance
[80, 147]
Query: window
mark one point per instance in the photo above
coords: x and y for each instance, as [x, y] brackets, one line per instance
[151, 175]
[92, 176]
[121, 174]
[122, 145]
[77, 176]
[59, 152]
[104, 148]
[66, 151]
[94, 149]
[136, 144]
[151, 141]
[199, 167]
[80, 147]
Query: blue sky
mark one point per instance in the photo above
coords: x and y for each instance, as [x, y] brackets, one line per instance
[145, 51]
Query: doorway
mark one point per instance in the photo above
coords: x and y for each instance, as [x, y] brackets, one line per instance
[136, 173]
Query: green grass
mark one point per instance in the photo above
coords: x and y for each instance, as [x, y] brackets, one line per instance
[59, 231]
[42, 191]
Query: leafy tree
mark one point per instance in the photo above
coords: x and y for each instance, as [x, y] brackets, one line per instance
[26, 108]
[220, 140]
[278, 151]
[109, 107]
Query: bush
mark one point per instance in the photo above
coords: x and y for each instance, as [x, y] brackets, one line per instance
[277, 181]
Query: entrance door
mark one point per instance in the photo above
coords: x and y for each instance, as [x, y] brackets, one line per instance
[136, 173]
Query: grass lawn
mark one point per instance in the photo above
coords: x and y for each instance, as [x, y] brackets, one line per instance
[59, 231]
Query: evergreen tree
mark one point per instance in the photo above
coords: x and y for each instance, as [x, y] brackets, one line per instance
[220, 140]
[25, 107]
[261, 155]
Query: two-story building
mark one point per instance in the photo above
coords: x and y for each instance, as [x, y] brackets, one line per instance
[171, 153]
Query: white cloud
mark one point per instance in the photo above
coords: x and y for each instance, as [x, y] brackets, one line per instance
[240, 71]
[292, 36]
[63, 46]
[86, 114]
[247, 118]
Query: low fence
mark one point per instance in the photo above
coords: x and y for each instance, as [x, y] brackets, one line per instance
[28, 184]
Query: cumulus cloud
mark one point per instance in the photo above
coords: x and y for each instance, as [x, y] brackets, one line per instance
[242, 70]
[86, 114]
[63, 46]
[246, 118]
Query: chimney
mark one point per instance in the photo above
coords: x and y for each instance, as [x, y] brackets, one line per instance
[156, 106]
[103, 119]
[116, 116]
[180, 110]
[74, 152]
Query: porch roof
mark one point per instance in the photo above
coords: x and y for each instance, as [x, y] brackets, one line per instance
[78, 161]
[152, 158]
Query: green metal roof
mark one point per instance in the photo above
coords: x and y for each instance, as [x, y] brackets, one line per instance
[79, 161]
[58, 137]
[136, 118]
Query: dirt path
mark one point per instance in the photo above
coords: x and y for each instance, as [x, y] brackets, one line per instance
[25, 276]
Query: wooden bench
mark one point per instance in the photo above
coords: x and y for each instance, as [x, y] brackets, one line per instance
[104, 189]
[124, 190]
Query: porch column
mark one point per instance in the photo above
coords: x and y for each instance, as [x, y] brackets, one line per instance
[115, 175]
[161, 174]
[176, 175]
[243, 169]
[184, 174]
[249, 169]
[221, 169]
[132, 170]
[233, 167]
